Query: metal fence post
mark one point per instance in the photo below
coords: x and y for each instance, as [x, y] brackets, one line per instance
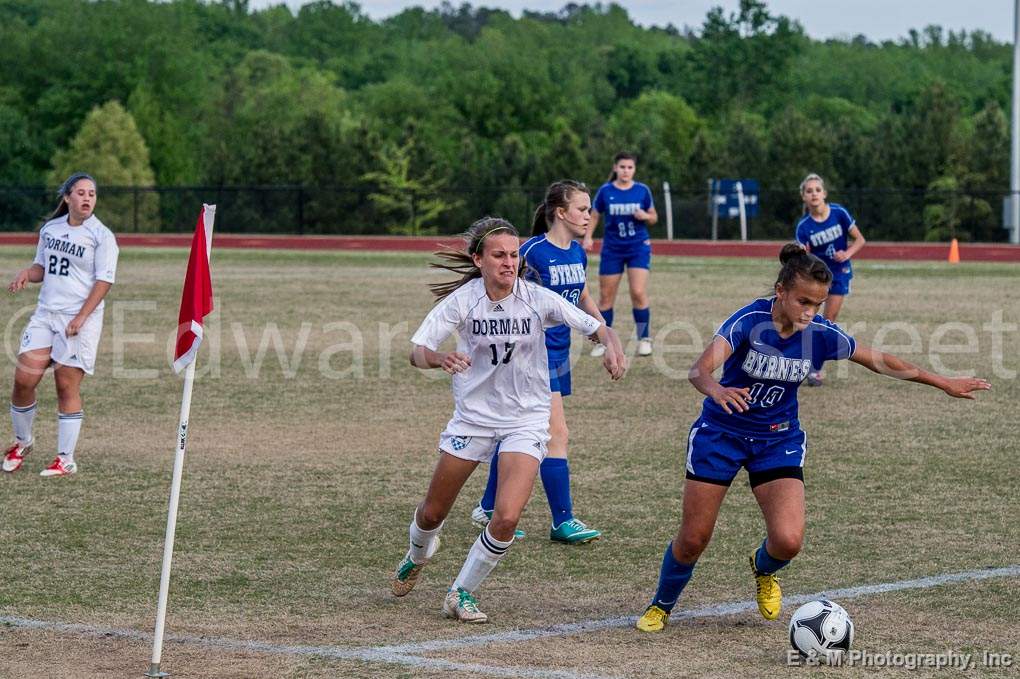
[669, 211]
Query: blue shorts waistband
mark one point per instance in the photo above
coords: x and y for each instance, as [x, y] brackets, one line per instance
[752, 429]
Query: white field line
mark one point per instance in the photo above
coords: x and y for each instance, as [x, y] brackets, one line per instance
[713, 611]
[405, 654]
[368, 655]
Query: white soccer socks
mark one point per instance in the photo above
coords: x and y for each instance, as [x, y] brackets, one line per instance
[68, 428]
[21, 420]
[481, 559]
[424, 543]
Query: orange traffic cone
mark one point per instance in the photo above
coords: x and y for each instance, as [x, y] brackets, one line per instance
[954, 252]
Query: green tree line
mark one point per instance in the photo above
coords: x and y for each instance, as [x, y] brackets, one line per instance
[431, 118]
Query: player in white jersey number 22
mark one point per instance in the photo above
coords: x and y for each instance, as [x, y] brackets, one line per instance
[501, 398]
[76, 262]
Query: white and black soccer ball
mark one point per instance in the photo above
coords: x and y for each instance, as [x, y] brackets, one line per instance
[821, 629]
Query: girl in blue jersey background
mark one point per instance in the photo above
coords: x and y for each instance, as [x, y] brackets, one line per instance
[749, 419]
[628, 210]
[558, 262]
[824, 231]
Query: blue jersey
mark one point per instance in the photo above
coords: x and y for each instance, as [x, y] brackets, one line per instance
[772, 368]
[617, 208]
[563, 272]
[826, 238]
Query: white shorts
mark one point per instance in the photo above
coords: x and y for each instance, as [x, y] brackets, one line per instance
[531, 441]
[46, 330]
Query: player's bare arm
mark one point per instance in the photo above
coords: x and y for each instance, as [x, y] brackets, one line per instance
[99, 291]
[451, 361]
[854, 247]
[894, 366]
[702, 377]
[32, 274]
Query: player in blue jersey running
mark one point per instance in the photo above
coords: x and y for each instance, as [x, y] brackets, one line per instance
[628, 210]
[558, 262]
[749, 419]
[824, 231]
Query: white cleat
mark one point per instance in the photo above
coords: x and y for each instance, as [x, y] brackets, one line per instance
[599, 351]
[59, 468]
[15, 456]
[644, 347]
[461, 605]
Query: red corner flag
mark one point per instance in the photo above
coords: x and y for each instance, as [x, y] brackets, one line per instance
[197, 298]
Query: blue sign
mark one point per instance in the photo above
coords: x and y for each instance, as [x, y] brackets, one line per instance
[725, 197]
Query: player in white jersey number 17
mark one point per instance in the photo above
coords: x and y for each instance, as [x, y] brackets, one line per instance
[501, 398]
[76, 261]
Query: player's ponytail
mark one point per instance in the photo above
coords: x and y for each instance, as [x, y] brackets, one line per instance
[558, 195]
[65, 190]
[462, 261]
[799, 263]
[539, 223]
[622, 155]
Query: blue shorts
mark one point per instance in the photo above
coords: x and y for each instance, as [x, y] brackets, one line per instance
[840, 286]
[559, 374]
[715, 455]
[615, 258]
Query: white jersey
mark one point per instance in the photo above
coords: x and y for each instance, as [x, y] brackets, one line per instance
[73, 258]
[507, 384]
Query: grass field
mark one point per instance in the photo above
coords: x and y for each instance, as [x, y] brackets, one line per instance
[312, 439]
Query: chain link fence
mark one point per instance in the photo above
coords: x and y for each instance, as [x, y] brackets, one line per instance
[883, 214]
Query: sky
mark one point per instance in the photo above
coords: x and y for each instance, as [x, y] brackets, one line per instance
[877, 19]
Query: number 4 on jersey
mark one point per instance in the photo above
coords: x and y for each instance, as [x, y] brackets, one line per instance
[508, 347]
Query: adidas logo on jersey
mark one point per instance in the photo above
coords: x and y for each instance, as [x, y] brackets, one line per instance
[66, 235]
[498, 307]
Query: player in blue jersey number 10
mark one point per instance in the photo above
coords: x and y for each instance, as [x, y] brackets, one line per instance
[749, 420]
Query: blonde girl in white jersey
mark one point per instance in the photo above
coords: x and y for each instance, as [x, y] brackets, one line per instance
[76, 262]
[501, 398]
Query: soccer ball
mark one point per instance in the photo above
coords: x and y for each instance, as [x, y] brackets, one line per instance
[821, 629]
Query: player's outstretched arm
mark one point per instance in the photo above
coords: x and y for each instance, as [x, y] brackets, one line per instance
[32, 274]
[701, 376]
[452, 361]
[894, 366]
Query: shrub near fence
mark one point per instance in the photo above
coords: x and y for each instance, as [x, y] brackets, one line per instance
[883, 214]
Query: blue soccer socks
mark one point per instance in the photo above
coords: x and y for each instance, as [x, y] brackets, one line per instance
[555, 472]
[673, 577]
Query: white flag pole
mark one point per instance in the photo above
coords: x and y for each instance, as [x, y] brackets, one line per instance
[171, 522]
[209, 217]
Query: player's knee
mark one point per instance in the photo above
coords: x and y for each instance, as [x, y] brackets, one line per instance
[67, 388]
[504, 523]
[691, 544]
[24, 384]
[430, 515]
[639, 299]
[786, 544]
